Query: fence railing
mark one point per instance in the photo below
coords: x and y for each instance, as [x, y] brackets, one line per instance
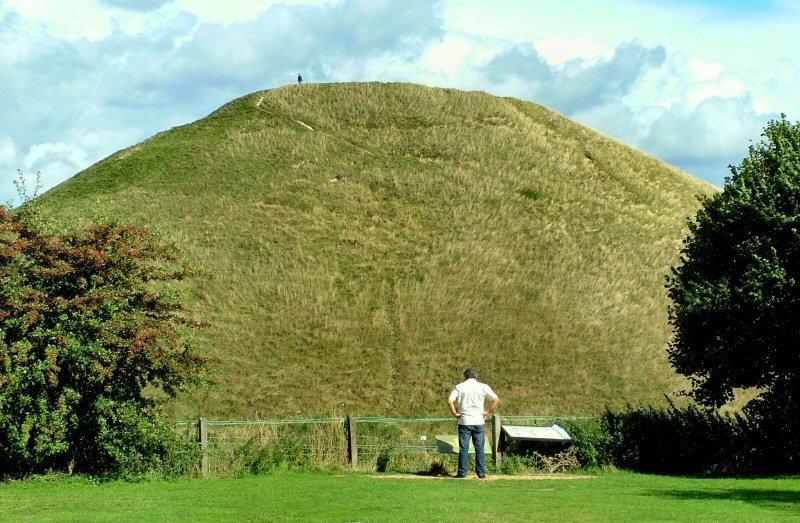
[354, 441]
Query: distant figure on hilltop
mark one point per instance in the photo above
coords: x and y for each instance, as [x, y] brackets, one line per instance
[299, 79]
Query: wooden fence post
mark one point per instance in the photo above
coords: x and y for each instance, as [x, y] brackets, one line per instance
[202, 436]
[352, 447]
[497, 425]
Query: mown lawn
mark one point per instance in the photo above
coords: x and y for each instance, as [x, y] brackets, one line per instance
[360, 497]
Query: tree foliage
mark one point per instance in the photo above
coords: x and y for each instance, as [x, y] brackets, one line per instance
[736, 294]
[88, 321]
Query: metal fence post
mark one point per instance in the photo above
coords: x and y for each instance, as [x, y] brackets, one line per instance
[202, 436]
[352, 447]
[497, 424]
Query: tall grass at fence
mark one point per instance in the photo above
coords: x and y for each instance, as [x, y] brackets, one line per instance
[240, 448]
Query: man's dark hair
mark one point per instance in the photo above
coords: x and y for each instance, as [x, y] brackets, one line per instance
[470, 374]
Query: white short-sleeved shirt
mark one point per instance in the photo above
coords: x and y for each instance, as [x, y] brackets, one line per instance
[471, 395]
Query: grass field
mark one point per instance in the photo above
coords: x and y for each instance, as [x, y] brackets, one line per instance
[357, 497]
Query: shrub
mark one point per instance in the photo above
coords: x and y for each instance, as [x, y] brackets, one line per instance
[562, 461]
[87, 323]
[688, 440]
[591, 441]
[514, 464]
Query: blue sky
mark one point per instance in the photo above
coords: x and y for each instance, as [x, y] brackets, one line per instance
[690, 82]
[733, 8]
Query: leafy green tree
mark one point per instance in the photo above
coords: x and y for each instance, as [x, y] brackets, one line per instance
[88, 322]
[736, 293]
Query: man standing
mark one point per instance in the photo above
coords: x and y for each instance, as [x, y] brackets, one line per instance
[471, 395]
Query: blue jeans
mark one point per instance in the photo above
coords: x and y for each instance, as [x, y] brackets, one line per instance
[477, 433]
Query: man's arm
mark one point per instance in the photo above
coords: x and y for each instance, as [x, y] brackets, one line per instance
[491, 408]
[453, 410]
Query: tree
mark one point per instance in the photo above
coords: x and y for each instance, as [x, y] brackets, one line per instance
[736, 294]
[90, 330]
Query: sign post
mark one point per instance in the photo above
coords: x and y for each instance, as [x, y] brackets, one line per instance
[202, 436]
[352, 446]
[497, 454]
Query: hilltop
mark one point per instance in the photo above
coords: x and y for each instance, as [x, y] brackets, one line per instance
[365, 242]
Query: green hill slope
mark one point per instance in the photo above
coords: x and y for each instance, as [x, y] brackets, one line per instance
[366, 242]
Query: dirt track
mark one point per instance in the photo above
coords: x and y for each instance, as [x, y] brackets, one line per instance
[529, 477]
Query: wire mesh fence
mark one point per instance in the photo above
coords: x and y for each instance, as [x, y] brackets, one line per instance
[254, 446]
[403, 444]
[363, 443]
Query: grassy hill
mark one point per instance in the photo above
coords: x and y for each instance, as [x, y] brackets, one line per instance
[367, 242]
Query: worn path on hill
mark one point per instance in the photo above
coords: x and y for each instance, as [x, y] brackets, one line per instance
[308, 127]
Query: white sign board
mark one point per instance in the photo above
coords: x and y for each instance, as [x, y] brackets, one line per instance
[553, 433]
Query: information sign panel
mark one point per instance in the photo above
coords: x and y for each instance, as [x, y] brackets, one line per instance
[552, 433]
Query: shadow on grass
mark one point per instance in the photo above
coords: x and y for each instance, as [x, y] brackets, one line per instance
[783, 499]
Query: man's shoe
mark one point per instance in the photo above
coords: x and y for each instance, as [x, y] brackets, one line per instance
[481, 477]
[460, 477]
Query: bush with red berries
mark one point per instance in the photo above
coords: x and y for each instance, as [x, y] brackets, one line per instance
[93, 340]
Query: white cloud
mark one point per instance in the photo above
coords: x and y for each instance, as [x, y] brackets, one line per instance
[454, 54]
[8, 152]
[698, 115]
[230, 11]
[780, 90]
[668, 134]
[558, 50]
[55, 161]
[702, 70]
[709, 137]
[136, 5]
[8, 169]
[97, 19]
[49, 152]
[578, 85]
[69, 20]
